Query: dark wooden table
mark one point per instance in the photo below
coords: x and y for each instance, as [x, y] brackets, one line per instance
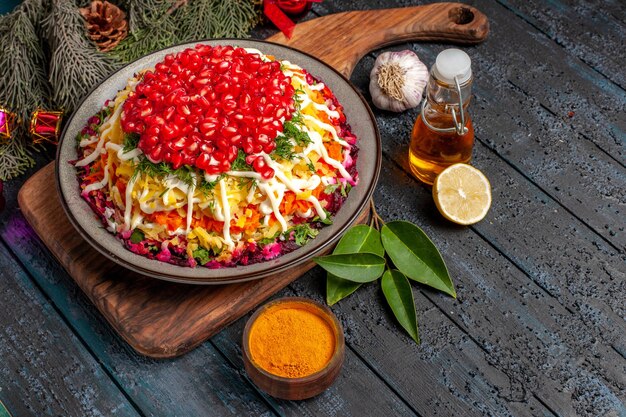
[539, 324]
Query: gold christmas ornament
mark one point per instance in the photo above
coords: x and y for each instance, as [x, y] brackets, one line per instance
[45, 126]
[8, 121]
[106, 24]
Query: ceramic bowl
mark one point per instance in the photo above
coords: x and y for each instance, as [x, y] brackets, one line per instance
[296, 388]
[89, 226]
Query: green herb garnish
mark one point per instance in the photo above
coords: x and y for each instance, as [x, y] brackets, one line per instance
[205, 187]
[131, 140]
[268, 240]
[240, 164]
[185, 173]
[284, 149]
[137, 236]
[201, 255]
[302, 233]
[331, 188]
[345, 189]
[291, 131]
[327, 221]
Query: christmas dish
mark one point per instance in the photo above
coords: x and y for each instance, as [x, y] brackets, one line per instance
[217, 156]
[88, 224]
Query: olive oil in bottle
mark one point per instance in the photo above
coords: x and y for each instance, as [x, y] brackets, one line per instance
[443, 133]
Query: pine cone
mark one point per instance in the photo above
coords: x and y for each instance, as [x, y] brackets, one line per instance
[106, 24]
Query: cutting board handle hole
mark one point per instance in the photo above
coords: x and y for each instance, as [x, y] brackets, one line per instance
[461, 15]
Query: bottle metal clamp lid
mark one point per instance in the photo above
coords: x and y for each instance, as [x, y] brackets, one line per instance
[453, 67]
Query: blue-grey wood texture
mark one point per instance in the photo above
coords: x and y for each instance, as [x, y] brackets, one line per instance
[538, 328]
[44, 367]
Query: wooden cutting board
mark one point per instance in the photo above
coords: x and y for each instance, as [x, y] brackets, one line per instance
[162, 319]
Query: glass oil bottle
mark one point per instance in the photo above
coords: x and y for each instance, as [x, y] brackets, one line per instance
[443, 133]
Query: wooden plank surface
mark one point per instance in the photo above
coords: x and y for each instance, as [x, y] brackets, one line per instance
[594, 32]
[519, 206]
[555, 266]
[158, 319]
[358, 32]
[214, 386]
[44, 368]
[165, 320]
[538, 328]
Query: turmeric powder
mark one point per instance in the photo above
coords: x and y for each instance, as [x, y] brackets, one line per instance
[291, 340]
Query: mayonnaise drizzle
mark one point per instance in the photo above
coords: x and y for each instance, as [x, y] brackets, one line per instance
[92, 156]
[330, 129]
[274, 200]
[98, 185]
[128, 208]
[190, 201]
[103, 134]
[292, 187]
[317, 145]
[88, 141]
[305, 101]
[226, 211]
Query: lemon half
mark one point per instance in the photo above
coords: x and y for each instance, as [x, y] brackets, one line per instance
[462, 194]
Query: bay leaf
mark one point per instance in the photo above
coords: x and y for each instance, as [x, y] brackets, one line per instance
[357, 267]
[337, 288]
[399, 296]
[358, 239]
[361, 238]
[415, 255]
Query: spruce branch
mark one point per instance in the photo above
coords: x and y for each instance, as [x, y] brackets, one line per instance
[156, 35]
[196, 21]
[144, 13]
[234, 18]
[15, 156]
[75, 65]
[205, 19]
[23, 85]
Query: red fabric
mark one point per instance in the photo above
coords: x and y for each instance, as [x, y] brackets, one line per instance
[278, 17]
[275, 11]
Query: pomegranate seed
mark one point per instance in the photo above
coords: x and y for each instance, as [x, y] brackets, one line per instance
[192, 148]
[236, 140]
[233, 151]
[183, 109]
[263, 139]
[188, 159]
[155, 153]
[167, 114]
[208, 101]
[179, 144]
[267, 174]
[269, 147]
[219, 156]
[193, 119]
[259, 164]
[213, 169]
[222, 143]
[203, 160]
[149, 142]
[222, 86]
[176, 159]
[228, 131]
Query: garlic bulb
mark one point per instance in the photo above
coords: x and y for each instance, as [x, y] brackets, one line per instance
[397, 80]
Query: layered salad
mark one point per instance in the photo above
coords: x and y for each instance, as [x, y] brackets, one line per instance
[218, 156]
